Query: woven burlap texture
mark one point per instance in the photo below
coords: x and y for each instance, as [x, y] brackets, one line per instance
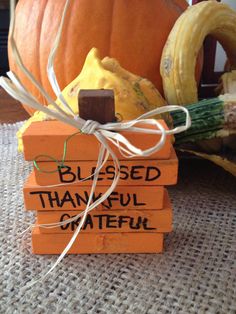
[195, 274]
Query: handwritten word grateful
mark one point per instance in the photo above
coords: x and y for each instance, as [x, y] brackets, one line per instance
[108, 221]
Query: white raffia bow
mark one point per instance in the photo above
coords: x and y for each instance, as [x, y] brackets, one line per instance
[104, 133]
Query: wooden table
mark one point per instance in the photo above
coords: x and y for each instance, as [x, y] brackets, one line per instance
[11, 110]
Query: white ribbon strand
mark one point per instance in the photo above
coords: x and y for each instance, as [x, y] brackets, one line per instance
[50, 67]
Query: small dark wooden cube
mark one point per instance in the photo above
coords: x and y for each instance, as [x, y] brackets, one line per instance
[97, 105]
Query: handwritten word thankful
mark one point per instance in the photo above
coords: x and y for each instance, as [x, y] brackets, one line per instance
[54, 199]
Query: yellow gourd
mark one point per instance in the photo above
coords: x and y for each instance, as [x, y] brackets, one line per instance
[134, 95]
[184, 42]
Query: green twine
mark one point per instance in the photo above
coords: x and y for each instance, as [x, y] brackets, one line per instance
[60, 164]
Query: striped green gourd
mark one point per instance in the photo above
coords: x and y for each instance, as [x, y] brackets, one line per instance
[211, 118]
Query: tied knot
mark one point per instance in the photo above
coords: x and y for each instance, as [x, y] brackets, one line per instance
[90, 127]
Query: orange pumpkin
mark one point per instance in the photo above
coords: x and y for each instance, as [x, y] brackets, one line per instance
[134, 32]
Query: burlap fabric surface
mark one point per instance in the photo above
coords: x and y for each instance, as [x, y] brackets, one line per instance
[195, 274]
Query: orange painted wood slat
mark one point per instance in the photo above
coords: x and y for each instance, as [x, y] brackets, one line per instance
[129, 220]
[48, 138]
[133, 172]
[97, 243]
[110, 222]
[73, 197]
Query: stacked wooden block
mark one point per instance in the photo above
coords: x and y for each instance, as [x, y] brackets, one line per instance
[133, 219]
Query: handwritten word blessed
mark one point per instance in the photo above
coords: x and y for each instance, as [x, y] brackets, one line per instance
[134, 172]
